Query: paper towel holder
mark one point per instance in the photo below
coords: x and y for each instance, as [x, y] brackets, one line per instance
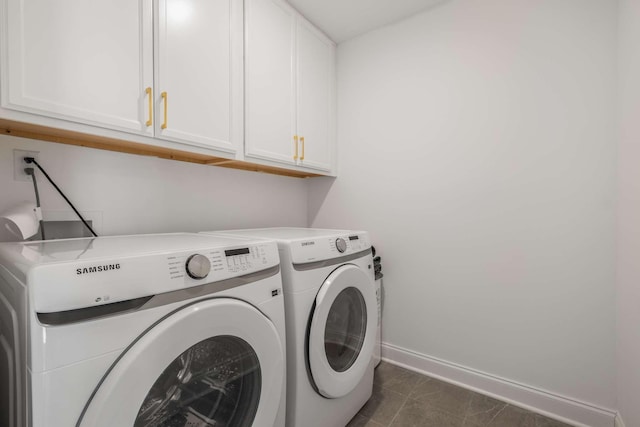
[20, 221]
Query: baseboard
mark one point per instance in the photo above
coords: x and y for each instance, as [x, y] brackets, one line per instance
[561, 408]
[619, 422]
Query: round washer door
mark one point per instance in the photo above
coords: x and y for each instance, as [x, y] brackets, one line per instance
[342, 331]
[215, 362]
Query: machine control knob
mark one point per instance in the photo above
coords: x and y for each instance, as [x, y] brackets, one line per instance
[341, 244]
[198, 266]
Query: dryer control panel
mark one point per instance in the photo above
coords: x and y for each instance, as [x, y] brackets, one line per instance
[324, 248]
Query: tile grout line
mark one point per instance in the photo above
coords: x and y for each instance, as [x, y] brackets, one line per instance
[466, 410]
[406, 398]
[498, 413]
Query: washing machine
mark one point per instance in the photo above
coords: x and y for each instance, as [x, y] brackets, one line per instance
[331, 322]
[149, 330]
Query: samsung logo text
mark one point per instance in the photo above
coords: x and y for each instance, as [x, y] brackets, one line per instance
[97, 269]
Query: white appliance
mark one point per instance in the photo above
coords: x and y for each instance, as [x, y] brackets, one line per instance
[331, 318]
[172, 329]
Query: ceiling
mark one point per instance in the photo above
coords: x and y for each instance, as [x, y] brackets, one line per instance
[344, 19]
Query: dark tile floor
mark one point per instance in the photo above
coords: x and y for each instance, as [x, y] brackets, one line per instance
[402, 398]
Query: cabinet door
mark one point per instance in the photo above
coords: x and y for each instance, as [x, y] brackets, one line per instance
[315, 96]
[199, 68]
[79, 60]
[269, 80]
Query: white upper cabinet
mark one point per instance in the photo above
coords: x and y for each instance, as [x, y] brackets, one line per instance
[289, 84]
[248, 83]
[198, 76]
[93, 62]
[270, 109]
[79, 60]
[315, 97]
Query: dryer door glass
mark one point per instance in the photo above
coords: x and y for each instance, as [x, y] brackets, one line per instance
[216, 382]
[345, 329]
[342, 331]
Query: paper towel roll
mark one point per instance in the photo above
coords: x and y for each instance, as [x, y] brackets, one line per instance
[20, 222]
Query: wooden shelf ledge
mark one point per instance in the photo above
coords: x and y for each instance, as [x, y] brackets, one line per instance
[61, 136]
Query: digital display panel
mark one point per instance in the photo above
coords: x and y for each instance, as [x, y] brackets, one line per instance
[233, 252]
[353, 237]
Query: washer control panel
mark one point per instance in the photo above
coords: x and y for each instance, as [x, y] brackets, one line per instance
[198, 266]
[219, 264]
[117, 269]
[245, 259]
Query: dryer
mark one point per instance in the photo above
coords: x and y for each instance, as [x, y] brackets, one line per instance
[331, 322]
[167, 329]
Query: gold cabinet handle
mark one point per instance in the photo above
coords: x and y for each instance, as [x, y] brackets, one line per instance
[295, 141]
[149, 93]
[302, 142]
[164, 99]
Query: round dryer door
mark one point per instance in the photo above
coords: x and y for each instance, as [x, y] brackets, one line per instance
[218, 362]
[342, 331]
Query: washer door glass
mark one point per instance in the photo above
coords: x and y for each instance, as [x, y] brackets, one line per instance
[214, 383]
[216, 362]
[345, 329]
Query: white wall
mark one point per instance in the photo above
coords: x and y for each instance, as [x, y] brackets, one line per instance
[477, 145]
[628, 306]
[128, 194]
